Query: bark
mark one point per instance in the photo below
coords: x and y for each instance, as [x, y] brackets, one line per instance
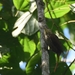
[42, 23]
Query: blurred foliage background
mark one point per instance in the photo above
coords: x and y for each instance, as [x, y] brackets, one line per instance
[20, 36]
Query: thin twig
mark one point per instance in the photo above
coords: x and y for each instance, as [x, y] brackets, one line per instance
[71, 21]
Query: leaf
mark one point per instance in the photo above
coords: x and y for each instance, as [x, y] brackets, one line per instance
[3, 25]
[72, 67]
[61, 69]
[31, 27]
[37, 71]
[29, 46]
[21, 4]
[4, 59]
[38, 46]
[32, 63]
[58, 12]
[22, 21]
[1, 6]
[71, 2]
[67, 45]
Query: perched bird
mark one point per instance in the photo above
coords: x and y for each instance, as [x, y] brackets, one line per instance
[52, 42]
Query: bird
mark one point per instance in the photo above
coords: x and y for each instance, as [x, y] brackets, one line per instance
[52, 42]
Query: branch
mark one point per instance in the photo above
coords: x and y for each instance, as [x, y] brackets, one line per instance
[42, 23]
[71, 21]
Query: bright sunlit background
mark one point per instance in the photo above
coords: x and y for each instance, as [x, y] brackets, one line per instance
[71, 53]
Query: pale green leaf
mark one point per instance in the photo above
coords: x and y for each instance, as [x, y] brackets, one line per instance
[21, 4]
[29, 46]
[32, 62]
[57, 12]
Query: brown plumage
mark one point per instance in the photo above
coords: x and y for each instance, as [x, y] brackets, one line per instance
[52, 41]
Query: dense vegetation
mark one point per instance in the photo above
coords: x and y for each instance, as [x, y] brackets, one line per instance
[20, 36]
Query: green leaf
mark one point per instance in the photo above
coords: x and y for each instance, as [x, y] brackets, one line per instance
[29, 46]
[67, 45]
[32, 62]
[39, 46]
[4, 59]
[57, 12]
[71, 2]
[3, 25]
[37, 71]
[38, 34]
[1, 6]
[61, 69]
[21, 4]
[72, 67]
